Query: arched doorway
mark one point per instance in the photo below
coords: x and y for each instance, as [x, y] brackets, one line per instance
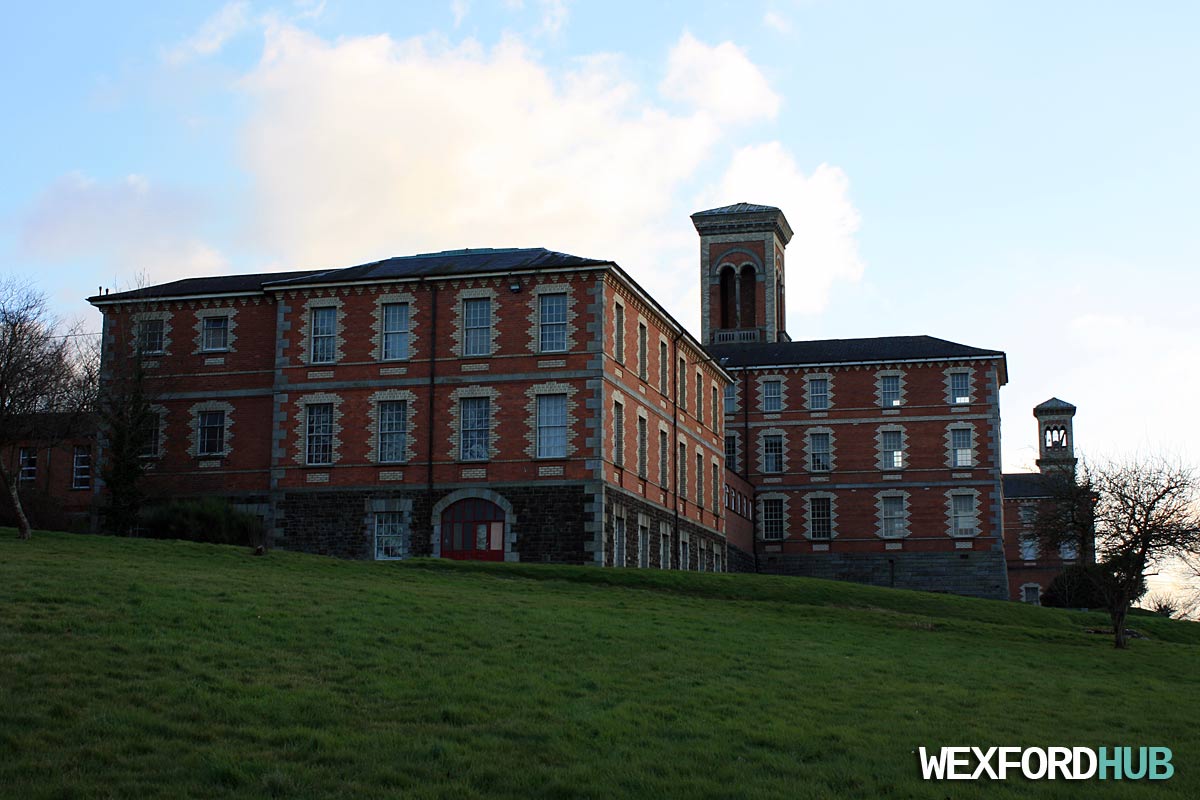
[472, 529]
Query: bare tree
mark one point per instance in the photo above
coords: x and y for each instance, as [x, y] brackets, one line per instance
[44, 371]
[1143, 513]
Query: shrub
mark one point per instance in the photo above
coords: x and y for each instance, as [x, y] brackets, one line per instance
[206, 519]
[1077, 586]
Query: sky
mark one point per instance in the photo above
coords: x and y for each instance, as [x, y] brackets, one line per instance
[1018, 176]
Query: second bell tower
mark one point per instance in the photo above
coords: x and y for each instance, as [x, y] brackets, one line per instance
[741, 273]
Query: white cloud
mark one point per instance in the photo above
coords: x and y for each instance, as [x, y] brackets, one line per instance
[719, 79]
[229, 21]
[460, 9]
[777, 22]
[128, 226]
[824, 249]
[554, 16]
[370, 147]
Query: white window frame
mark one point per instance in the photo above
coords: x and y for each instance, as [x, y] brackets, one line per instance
[773, 525]
[643, 446]
[552, 426]
[820, 528]
[477, 327]
[204, 425]
[962, 510]
[207, 330]
[887, 397]
[643, 345]
[475, 435]
[893, 457]
[772, 396]
[730, 399]
[962, 457]
[815, 464]
[818, 401]
[893, 518]
[618, 455]
[1031, 547]
[552, 322]
[391, 425]
[318, 434]
[390, 525]
[396, 322]
[772, 456]
[158, 339]
[81, 473]
[27, 464]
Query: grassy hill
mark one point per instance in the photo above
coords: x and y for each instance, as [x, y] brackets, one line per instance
[133, 668]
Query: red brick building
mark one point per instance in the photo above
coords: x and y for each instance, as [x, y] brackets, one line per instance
[488, 404]
[534, 406]
[1031, 565]
[873, 460]
[52, 465]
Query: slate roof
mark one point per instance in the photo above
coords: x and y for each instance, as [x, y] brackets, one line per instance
[1054, 404]
[883, 349]
[216, 284]
[736, 208]
[449, 262]
[1018, 485]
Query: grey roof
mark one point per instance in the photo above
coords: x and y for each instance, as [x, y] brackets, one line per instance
[736, 208]
[216, 284]
[447, 263]
[1019, 485]
[1054, 404]
[883, 349]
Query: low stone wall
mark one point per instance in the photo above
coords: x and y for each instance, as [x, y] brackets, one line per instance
[975, 574]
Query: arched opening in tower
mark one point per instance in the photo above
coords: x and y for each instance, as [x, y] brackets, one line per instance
[749, 310]
[729, 316]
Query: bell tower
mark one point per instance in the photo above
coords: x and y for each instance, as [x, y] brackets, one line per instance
[741, 273]
[1056, 438]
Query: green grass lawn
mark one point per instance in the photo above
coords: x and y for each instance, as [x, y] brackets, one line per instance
[135, 668]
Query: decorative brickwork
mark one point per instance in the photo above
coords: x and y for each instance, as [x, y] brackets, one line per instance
[328, 299]
[456, 398]
[414, 312]
[535, 315]
[458, 332]
[202, 314]
[301, 420]
[531, 433]
[411, 411]
[194, 428]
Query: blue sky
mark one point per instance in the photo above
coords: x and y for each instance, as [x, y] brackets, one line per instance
[1018, 176]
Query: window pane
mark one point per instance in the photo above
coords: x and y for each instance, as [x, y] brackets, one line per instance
[324, 328]
[393, 430]
[820, 517]
[890, 390]
[819, 451]
[395, 331]
[552, 313]
[211, 432]
[216, 333]
[772, 396]
[477, 313]
[81, 471]
[773, 453]
[391, 535]
[818, 394]
[474, 433]
[319, 433]
[552, 426]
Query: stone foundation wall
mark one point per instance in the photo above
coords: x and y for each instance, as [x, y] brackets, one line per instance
[548, 521]
[975, 574]
[617, 501]
[739, 560]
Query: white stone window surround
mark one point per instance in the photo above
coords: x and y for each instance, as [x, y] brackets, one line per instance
[730, 400]
[952, 529]
[137, 318]
[229, 312]
[535, 316]
[1029, 545]
[808, 395]
[456, 398]
[394, 298]
[458, 334]
[664, 367]
[664, 456]
[762, 449]
[161, 412]
[809, 450]
[301, 430]
[951, 455]
[762, 381]
[330, 301]
[761, 500]
[620, 323]
[807, 510]
[643, 348]
[901, 387]
[642, 428]
[531, 433]
[194, 435]
[950, 394]
[1031, 588]
[885, 458]
[904, 530]
[392, 395]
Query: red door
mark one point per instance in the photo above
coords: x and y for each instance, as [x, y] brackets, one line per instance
[473, 530]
